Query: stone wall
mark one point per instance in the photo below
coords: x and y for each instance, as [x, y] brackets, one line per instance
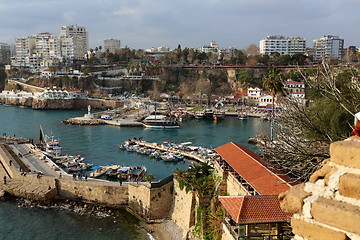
[114, 196]
[328, 206]
[183, 209]
[150, 203]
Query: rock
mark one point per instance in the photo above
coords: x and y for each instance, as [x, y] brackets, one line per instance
[2, 193]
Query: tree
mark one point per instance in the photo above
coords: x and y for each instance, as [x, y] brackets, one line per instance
[150, 177]
[304, 134]
[273, 82]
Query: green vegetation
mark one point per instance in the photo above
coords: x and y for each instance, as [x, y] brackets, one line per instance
[303, 135]
[201, 179]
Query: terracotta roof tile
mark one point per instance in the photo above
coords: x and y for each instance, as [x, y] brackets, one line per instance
[254, 170]
[254, 209]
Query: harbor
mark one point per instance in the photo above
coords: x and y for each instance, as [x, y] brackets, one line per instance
[99, 146]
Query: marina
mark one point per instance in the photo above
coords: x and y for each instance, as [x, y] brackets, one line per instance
[99, 146]
[170, 151]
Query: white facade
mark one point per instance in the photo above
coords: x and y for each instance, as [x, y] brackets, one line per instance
[282, 45]
[77, 31]
[43, 50]
[328, 47]
[253, 95]
[265, 100]
[294, 86]
[112, 44]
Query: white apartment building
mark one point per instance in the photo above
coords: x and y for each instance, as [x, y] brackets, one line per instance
[253, 95]
[282, 45]
[71, 49]
[111, 45]
[76, 31]
[327, 47]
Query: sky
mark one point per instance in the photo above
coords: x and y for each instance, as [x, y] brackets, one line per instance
[141, 24]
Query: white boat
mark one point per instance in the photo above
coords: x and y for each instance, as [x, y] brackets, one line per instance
[161, 121]
[242, 116]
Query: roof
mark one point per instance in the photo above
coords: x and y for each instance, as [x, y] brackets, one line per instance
[293, 82]
[254, 170]
[254, 209]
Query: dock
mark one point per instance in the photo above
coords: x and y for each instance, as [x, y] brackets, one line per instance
[189, 155]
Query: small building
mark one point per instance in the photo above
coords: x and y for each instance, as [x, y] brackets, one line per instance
[252, 207]
[255, 217]
[253, 95]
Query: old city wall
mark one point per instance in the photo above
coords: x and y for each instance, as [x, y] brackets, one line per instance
[183, 209]
[115, 196]
[151, 203]
[328, 206]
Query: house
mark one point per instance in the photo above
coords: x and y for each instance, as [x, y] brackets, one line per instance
[255, 217]
[252, 209]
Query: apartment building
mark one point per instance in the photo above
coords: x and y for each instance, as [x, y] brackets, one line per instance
[76, 31]
[282, 45]
[4, 52]
[111, 45]
[328, 47]
[40, 51]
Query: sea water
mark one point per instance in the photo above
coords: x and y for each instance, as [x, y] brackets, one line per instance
[99, 145]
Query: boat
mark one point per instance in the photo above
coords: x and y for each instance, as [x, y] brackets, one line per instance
[199, 115]
[161, 121]
[131, 173]
[208, 113]
[218, 115]
[242, 116]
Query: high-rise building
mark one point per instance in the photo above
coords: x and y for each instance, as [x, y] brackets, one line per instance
[282, 45]
[111, 44]
[327, 47]
[43, 50]
[76, 31]
[4, 52]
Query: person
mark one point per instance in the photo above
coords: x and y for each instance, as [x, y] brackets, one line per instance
[10, 162]
[86, 177]
[120, 180]
[60, 174]
[74, 176]
[4, 180]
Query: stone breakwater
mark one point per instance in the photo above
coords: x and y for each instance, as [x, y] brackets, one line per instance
[82, 121]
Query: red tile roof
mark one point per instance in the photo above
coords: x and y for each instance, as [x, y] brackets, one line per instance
[254, 209]
[293, 82]
[254, 170]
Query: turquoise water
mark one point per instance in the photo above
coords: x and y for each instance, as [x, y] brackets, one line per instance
[98, 144]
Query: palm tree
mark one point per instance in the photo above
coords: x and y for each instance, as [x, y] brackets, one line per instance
[273, 82]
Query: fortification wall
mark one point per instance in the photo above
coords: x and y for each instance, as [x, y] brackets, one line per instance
[115, 196]
[183, 210]
[328, 206]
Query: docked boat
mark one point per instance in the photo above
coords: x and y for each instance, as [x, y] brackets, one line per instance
[161, 121]
[218, 115]
[208, 114]
[242, 116]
